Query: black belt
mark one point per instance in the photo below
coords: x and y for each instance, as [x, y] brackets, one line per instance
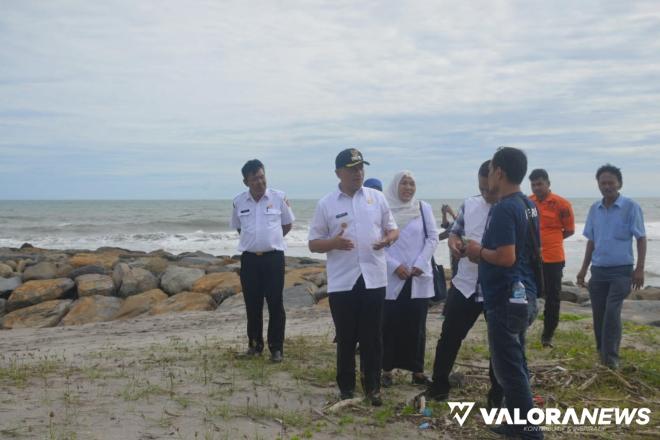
[260, 254]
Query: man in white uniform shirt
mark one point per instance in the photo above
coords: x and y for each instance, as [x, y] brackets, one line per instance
[262, 217]
[464, 302]
[352, 225]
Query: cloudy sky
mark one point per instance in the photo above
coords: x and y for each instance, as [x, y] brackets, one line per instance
[167, 99]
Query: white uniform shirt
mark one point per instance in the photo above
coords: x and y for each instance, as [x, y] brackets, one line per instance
[365, 218]
[261, 222]
[413, 249]
[475, 213]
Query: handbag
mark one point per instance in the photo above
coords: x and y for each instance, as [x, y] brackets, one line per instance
[439, 280]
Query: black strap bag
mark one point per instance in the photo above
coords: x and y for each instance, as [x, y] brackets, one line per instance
[439, 280]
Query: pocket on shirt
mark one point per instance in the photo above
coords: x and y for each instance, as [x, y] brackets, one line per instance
[274, 217]
[622, 232]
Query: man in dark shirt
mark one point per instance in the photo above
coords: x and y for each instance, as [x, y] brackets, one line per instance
[506, 277]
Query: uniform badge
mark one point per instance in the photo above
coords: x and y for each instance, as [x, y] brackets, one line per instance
[344, 225]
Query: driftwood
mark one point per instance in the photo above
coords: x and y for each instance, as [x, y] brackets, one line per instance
[343, 404]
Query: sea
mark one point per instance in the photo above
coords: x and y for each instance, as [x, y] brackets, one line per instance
[203, 225]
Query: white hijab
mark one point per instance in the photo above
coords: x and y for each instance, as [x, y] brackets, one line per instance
[403, 212]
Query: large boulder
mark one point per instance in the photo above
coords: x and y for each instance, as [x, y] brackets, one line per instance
[207, 283]
[178, 279]
[38, 291]
[45, 314]
[155, 265]
[9, 284]
[94, 284]
[301, 295]
[95, 308]
[10, 263]
[184, 302]
[642, 311]
[104, 259]
[45, 270]
[87, 270]
[294, 277]
[131, 281]
[140, 304]
[647, 293]
[6, 270]
[574, 294]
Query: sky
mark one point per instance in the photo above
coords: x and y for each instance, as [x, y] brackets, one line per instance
[167, 99]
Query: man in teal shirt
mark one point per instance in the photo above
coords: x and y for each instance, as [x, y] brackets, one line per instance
[610, 227]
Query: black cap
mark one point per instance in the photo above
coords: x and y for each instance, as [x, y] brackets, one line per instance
[349, 158]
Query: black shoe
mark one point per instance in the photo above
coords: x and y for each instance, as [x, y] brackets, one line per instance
[547, 343]
[374, 398]
[250, 353]
[386, 380]
[276, 356]
[343, 395]
[433, 394]
[421, 380]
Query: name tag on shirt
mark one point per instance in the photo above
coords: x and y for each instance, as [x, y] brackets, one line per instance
[343, 214]
[245, 211]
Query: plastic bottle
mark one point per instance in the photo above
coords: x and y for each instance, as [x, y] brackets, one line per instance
[518, 293]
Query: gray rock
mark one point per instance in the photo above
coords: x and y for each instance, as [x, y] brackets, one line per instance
[217, 269]
[647, 293]
[235, 267]
[178, 279]
[131, 281]
[20, 266]
[87, 270]
[3, 306]
[319, 279]
[641, 311]
[11, 263]
[40, 271]
[321, 293]
[6, 270]
[221, 293]
[574, 294]
[95, 284]
[9, 284]
[298, 296]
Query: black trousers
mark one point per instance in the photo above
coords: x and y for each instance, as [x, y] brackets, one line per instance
[552, 274]
[404, 331]
[460, 315]
[262, 276]
[358, 317]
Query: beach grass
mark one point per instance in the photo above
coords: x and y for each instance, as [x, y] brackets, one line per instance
[204, 388]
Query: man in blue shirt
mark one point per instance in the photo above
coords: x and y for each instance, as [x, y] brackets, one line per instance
[506, 278]
[611, 224]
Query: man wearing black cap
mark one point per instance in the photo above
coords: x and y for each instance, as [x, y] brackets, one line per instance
[352, 225]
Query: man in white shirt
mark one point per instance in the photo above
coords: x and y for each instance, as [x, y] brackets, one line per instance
[262, 217]
[352, 225]
[464, 302]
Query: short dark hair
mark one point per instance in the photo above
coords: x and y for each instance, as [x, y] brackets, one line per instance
[251, 167]
[484, 168]
[609, 168]
[539, 173]
[513, 162]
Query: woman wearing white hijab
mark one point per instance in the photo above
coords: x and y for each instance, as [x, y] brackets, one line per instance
[410, 281]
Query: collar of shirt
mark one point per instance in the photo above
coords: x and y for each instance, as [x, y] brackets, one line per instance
[248, 196]
[339, 193]
[618, 202]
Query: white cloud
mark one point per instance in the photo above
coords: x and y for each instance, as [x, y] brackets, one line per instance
[223, 81]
